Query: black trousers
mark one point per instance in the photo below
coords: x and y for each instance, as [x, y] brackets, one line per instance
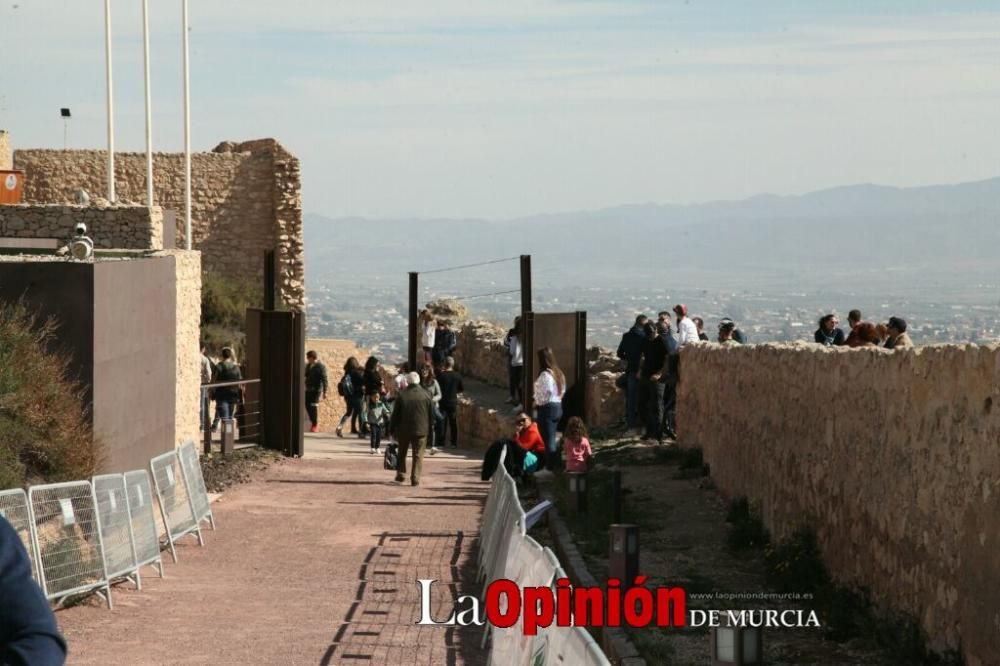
[669, 403]
[651, 407]
[516, 374]
[449, 423]
[312, 398]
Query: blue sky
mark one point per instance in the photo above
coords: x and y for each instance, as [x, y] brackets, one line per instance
[498, 109]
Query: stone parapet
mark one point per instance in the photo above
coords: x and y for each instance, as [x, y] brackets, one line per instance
[119, 226]
[891, 457]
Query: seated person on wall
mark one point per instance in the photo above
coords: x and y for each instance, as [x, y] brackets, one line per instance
[726, 330]
[829, 334]
[897, 336]
[864, 334]
[528, 438]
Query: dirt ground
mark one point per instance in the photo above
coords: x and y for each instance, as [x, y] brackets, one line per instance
[683, 542]
[314, 562]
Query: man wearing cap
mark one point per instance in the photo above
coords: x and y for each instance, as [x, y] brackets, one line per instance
[737, 335]
[726, 329]
[898, 339]
[411, 423]
[687, 332]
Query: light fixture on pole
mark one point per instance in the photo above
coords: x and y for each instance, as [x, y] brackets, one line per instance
[187, 129]
[149, 107]
[111, 113]
[736, 646]
[64, 112]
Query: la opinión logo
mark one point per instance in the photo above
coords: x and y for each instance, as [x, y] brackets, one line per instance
[506, 603]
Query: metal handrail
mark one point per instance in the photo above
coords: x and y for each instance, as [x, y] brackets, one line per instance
[250, 429]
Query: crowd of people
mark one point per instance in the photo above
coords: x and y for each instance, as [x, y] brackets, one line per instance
[225, 368]
[651, 352]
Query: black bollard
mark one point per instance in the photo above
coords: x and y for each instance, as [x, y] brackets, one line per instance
[623, 553]
[616, 496]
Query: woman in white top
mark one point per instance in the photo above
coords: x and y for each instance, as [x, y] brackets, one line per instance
[428, 327]
[550, 386]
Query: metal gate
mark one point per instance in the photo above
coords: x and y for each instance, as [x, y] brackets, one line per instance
[566, 334]
[276, 350]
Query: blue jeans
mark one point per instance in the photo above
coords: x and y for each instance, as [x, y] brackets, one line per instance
[376, 435]
[632, 400]
[548, 422]
[223, 410]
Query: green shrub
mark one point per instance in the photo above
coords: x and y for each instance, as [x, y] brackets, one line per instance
[45, 435]
[796, 564]
[224, 304]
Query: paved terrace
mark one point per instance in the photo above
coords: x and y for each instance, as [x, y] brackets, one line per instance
[313, 563]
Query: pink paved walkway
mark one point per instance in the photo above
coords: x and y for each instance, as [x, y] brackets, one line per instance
[314, 563]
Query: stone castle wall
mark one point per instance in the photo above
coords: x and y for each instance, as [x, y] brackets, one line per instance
[118, 226]
[6, 156]
[892, 457]
[245, 200]
[481, 355]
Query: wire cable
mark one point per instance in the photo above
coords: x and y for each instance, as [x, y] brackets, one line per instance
[458, 268]
[494, 293]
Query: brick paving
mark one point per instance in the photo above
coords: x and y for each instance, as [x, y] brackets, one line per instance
[315, 562]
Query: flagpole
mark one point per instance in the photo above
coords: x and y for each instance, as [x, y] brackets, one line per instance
[187, 130]
[149, 104]
[110, 102]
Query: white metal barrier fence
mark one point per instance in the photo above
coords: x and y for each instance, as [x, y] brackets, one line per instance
[68, 540]
[176, 506]
[82, 536]
[190, 465]
[14, 507]
[140, 507]
[116, 527]
[507, 552]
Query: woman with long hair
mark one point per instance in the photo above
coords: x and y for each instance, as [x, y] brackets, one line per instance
[372, 381]
[352, 388]
[550, 387]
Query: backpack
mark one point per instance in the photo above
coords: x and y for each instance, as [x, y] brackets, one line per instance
[391, 456]
[345, 387]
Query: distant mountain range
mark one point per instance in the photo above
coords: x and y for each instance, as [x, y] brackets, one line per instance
[875, 237]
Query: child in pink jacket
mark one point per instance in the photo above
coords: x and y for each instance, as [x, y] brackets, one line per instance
[576, 445]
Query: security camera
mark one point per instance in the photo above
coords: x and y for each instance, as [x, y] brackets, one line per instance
[80, 229]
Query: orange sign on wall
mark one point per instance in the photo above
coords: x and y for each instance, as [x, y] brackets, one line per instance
[11, 186]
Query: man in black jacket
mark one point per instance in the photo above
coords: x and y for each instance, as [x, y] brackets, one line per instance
[630, 351]
[317, 385]
[28, 632]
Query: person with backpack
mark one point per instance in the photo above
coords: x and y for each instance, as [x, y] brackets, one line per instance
[226, 397]
[316, 387]
[351, 387]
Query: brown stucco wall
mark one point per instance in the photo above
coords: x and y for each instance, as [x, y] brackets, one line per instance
[893, 457]
[245, 200]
